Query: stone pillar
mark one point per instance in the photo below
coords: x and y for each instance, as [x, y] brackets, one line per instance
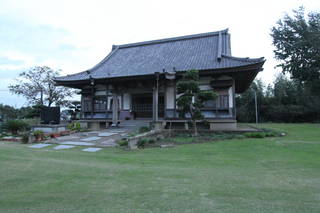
[155, 107]
[115, 109]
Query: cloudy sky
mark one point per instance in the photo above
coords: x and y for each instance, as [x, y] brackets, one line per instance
[74, 35]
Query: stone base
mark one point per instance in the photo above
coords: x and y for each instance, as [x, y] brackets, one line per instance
[94, 124]
[50, 128]
[223, 125]
[158, 125]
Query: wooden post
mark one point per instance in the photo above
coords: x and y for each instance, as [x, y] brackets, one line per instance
[155, 107]
[82, 105]
[115, 108]
[92, 101]
[155, 104]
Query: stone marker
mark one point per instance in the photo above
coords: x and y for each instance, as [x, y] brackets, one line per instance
[77, 143]
[39, 146]
[91, 139]
[63, 147]
[91, 149]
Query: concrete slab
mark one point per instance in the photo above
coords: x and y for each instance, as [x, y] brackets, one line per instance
[63, 147]
[39, 146]
[110, 142]
[106, 134]
[69, 137]
[93, 132]
[117, 131]
[91, 139]
[76, 143]
[91, 149]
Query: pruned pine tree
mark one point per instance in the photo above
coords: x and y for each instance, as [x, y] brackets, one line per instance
[191, 98]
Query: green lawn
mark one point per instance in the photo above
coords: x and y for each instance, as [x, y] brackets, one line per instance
[247, 175]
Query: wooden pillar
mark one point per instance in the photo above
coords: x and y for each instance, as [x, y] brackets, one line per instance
[106, 107]
[82, 105]
[115, 109]
[92, 101]
[234, 98]
[155, 104]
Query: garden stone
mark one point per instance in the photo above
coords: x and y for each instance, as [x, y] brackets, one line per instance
[77, 143]
[69, 137]
[91, 139]
[63, 147]
[166, 145]
[106, 134]
[109, 142]
[91, 149]
[39, 146]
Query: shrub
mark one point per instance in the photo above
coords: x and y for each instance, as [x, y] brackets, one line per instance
[76, 126]
[142, 142]
[70, 126]
[271, 134]
[123, 143]
[255, 134]
[37, 133]
[144, 129]
[15, 125]
[151, 141]
[25, 138]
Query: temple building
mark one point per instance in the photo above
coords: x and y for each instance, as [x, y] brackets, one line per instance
[138, 80]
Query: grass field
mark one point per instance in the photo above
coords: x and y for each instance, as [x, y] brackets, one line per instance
[247, 175]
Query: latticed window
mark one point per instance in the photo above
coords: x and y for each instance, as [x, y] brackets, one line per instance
[100, 103]
[223, 101]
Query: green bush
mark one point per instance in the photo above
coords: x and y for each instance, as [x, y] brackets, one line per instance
[70, 126]
[142, 142]
[15, 125]
[37, 133]
[255, 134]
[271, 134]
[123, 143]
[144, 129]
[75, 126]
[25, 138]
[151, 141]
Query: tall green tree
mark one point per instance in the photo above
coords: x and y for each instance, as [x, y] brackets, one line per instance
[38, 87]
[297, 46]
[191, 98]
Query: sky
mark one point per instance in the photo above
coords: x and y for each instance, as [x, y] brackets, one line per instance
[75, 35]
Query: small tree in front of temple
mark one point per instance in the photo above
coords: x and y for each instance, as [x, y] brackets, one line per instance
[191, 98]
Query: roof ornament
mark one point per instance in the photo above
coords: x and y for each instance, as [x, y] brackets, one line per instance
[171, 75]
[88, 72]
[91, 80]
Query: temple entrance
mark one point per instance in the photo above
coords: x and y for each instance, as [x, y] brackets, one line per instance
[142, 105]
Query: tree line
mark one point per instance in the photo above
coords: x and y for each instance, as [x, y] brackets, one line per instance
[286, 100]
[294, 96]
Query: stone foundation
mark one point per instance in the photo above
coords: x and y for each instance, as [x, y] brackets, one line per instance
[50, 128]
[223, 125]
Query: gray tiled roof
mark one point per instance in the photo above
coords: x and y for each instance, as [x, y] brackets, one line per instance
[206, 51]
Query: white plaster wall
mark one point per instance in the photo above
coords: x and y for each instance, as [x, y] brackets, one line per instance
[170, 97]
[126, 101]
[100, 93]
[230, 97]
